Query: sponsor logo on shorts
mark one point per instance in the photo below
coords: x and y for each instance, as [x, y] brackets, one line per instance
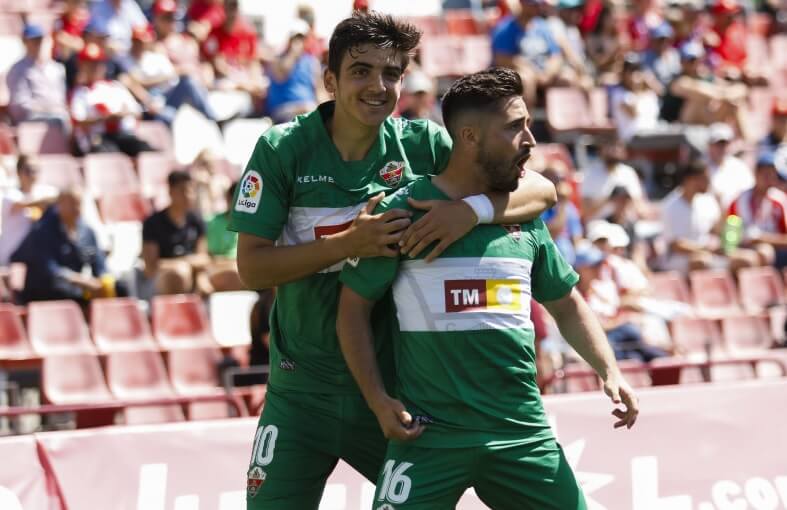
[392, 173]
[250, 192]
[492, 295]
[287, 364]
[255, 480]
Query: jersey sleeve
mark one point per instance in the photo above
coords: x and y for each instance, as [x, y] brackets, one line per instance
[552, 277]
[441, 144]
[261, 202]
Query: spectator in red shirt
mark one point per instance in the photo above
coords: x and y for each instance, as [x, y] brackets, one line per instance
[645, 16]
[726, 41]
[67, 32]
[204, 17]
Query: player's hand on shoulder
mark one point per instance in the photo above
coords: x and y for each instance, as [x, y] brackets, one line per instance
[375, 235]
[619, 391]
[445, 222]
[395, 422]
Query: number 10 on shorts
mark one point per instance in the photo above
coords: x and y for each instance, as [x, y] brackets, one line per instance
[264, 444]
[395, 486]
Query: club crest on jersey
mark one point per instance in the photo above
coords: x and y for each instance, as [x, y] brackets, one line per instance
[249, 193]
[392, 173]
[255, 480]
[385, 506]
[514, 231]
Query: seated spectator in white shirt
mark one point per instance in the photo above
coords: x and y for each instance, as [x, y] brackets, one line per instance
[604, 175]
[729, 175]
[692, 223]
[634, 104]
[120, 17]
[22, 206]
[37, 84]
[104, 112]
[183, 50]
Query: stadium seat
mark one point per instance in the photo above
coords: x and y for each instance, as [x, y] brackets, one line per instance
[61, 171]
[195, 372]
[109, 173]
[746, 335]
[115, 207]
[229, 317]
[153, 169]
[74, 379]
[126, 241]
[550, 152]
[669, 285]
[777, 318]
[181, 321]
[715, 295]
[157, 134]
[569, 113]
[462, 22]
[10, 24]
[635, 373]
[429, 25]
[760, 288]
[58, 327]
[696, 338]
[453, 55]
[141, 375]
[41, 138]
[14, 344]
[240, 138]
[119, 325]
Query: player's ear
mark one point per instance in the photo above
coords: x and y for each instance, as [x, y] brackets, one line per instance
[469, 135]
[329, 79]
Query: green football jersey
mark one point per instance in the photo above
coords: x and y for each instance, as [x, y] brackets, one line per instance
[296, 189]
[465, 354]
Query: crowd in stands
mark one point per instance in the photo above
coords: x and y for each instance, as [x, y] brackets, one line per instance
[663, 123]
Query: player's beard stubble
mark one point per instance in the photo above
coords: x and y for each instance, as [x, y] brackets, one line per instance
[502, 173]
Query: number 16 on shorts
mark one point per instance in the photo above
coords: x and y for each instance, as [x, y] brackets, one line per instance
[395, 485]
[261, 456]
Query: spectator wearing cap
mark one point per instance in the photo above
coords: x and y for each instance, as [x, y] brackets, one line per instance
[763, 211]
[564, 26]
[563, 219]
[729, 175]
[95, 33]
[525, 43]
[68, 28]
[418, 100]
[120, 17]
[685, 17]
[634, 103]
[692, 222]
[777, 137]
[295, 78]
[36, 84]
[155, 83]
[105, 113]
[204, 16]
[661, 59]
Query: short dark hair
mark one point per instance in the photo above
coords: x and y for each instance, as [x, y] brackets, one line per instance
[694, 168]
[178, 177]
[381, 30]
[24, 163]
[480, 92]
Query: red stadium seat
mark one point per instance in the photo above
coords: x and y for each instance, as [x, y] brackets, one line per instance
[10, 24]
[229, 317]
[157, 134]
[669, 285]
[41, 138]
[570, 112]
[116, 207]
[109, 173]
[746, 335]
[429, 25]
[715, 295]
[462, 22]
[549, 152]
[181, 321]
[696, 337]
[119, 325]
[153, 169]
[58, 327]
[14, 344]
[61, 171]
[140, 375]
[74, 379]
[778, 318]
[760, 288]
[195, 372]
[452, 55]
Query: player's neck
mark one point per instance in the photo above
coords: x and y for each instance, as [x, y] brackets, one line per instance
[351, 140]
[460, 179]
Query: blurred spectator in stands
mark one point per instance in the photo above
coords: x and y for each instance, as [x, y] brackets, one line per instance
[222, 274]
[778, 135]
[62, 256]
[21, 206]
[644, 15]
[36, 84]
[603, 298]
[726, 39]
[361, 5]
[97, 34]
[210, 183]
[563, 220]
[313, 44]
[105, 113]
[634, 103]
[182, 50]
[418, 100]
[68, 28]
[231, 48]
[564, 27]
[524, 43]
[729, 175]
[174, 248]
[120, 17]
[204, 16]
[692, 223]
[605, 174]
[697, 97]
[763, 210]
[607, 45]
[152, 79]
[661, 58]
[295, 78]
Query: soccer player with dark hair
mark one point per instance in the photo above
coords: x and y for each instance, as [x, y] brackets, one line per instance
[469, 412]
[305, 206]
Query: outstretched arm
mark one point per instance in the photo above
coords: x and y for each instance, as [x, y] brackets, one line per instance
[583, 331]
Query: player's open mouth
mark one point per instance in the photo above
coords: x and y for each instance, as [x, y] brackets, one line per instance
[376, 103]
[523, 157]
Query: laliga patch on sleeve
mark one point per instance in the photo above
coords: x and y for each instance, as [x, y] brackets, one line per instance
[250, 193]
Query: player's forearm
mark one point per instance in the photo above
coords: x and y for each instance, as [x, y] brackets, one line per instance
[582, 330]
[356, 341]
[534, 195]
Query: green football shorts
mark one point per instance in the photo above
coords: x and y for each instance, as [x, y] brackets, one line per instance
[299, 440]
[518, 476]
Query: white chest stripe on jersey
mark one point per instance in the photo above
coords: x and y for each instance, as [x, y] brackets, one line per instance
[463, 294]
[306, 224]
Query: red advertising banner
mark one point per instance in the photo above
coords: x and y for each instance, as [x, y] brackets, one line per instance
[703, 447]
[24, 484]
